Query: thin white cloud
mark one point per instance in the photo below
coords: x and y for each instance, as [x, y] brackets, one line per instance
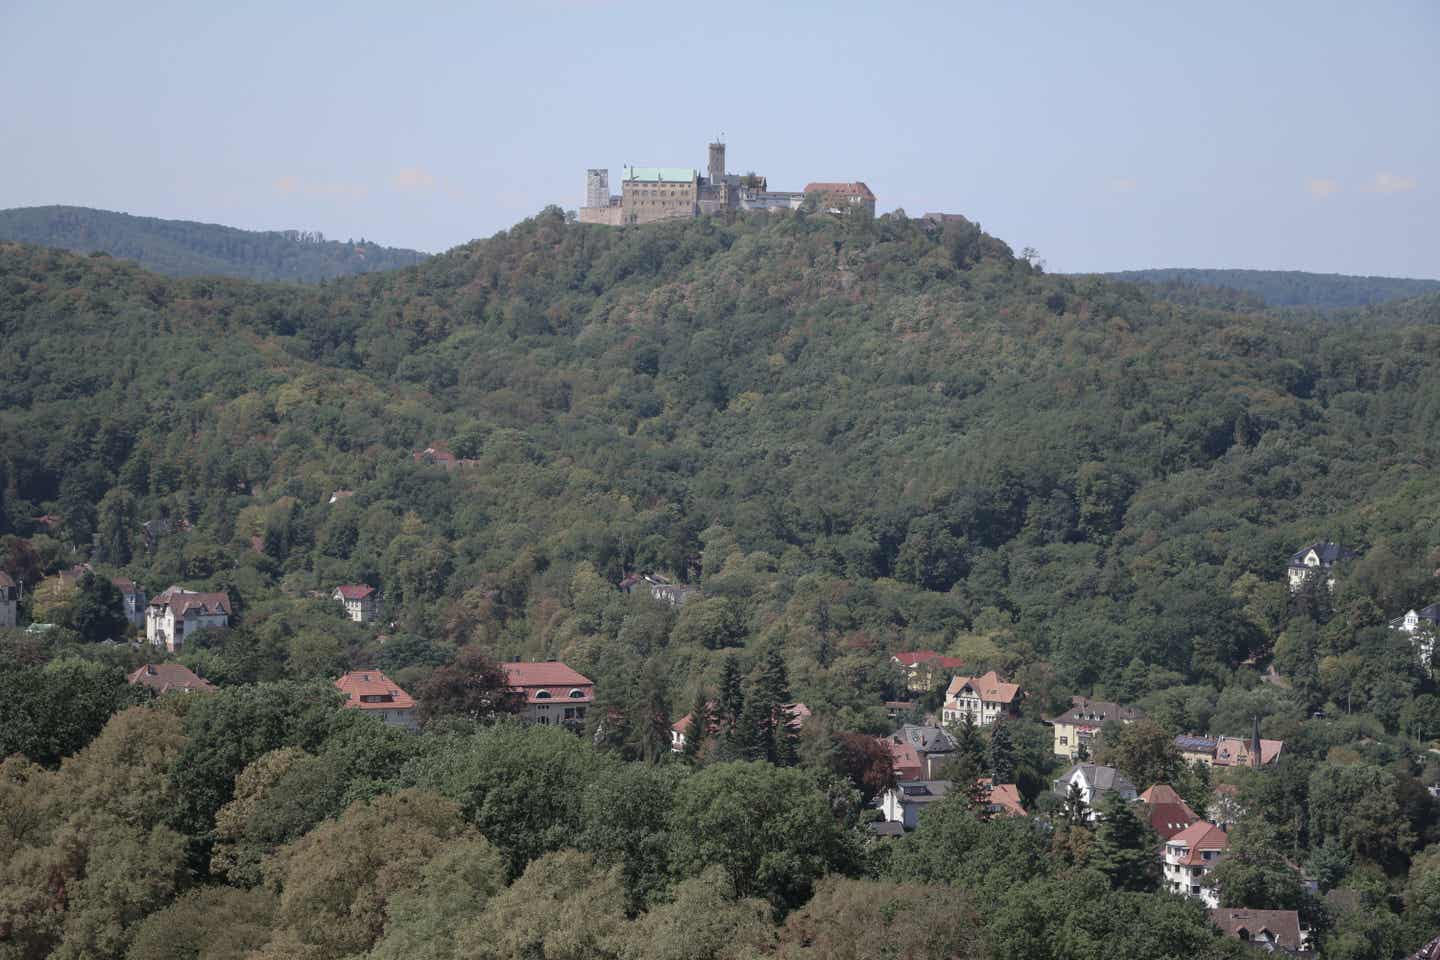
[413, 178]
[291, 184]
[1390, 183]
[420, 180]
[1321, 187]
[1123, 184]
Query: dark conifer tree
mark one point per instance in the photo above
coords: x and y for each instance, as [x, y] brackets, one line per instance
[1002, 753]
[1125, 847]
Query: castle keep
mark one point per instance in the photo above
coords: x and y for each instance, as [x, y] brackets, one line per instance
[650, 194]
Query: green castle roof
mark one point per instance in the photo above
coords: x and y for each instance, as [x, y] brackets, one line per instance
[661, 174]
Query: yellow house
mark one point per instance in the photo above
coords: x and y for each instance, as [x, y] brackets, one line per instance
[1080, 725]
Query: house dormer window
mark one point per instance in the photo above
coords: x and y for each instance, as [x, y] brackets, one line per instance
[577, 694]
[542, 694]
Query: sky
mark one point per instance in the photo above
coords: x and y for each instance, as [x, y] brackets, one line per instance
[1108, 136]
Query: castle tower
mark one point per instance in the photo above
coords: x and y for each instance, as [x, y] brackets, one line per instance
[717, 164]
[597, 188]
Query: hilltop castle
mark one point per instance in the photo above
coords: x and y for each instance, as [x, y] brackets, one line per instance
[648, 194]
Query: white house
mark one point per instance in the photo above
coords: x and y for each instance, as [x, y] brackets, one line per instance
[1190, 855]
[1313, 561]
[378, 696]
[177, 613]
[9, 600]
[132, 597]
[904, 802]
[360, 601]
[1423, 626]
[984, 698]
[553, 693]
[661, 589]
[1095, 783]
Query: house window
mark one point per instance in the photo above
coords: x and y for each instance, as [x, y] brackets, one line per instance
[1195, 891]
[577, 694]
[1064, 741]
[542, 694]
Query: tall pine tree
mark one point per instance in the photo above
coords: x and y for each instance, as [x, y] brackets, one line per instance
[1125, 847]
[1002, 753]
[699, 725]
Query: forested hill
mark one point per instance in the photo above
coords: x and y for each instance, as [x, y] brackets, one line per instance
[1111, 479]
[855, 437]
[1284, 288]
[184, 248]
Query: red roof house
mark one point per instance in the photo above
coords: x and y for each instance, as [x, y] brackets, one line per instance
[1167, 811]
[1002, 798]
[169, 678]
[553, 692]
[379, 696]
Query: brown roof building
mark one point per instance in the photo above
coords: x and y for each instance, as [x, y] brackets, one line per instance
[553, 692]
[985, 698]
[176, 613]
[170, 678]
[379, 696]
[1166, 810]
[1277, 931]
[839, 197]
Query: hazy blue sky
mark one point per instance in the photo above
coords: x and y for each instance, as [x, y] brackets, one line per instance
[1300, 135]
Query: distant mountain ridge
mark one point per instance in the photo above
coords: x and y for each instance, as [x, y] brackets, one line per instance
[1285, 288]
[186, 248]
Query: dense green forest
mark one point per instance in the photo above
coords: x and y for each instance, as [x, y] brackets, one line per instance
[1285, 288]
[855, 436]
[183, 248]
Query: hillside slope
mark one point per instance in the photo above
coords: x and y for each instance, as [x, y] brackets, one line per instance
[863, 434]
[183, 248]
[1286, 288]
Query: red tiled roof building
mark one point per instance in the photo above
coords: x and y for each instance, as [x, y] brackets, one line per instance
[378, 696]
[169, 678]
[553, 692]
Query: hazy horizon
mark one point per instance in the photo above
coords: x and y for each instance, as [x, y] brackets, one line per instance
[1297, 137]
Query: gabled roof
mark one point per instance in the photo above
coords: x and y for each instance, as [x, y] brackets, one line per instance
[925, 739]
[1189, 743]
[360, 684]
[989, 687]
[354, 591]
[1328, 552]
[1280, 926]
[184, 602]
[1235, 751]
[904, 758]
[550, 673]
[1084, 710]
[1003, 798]
[165, 677]
[125, 585]
[547, 682]
[1101, 779]
[1430, 614]
[1196, 839]
[853, 188]
[1168, 812]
